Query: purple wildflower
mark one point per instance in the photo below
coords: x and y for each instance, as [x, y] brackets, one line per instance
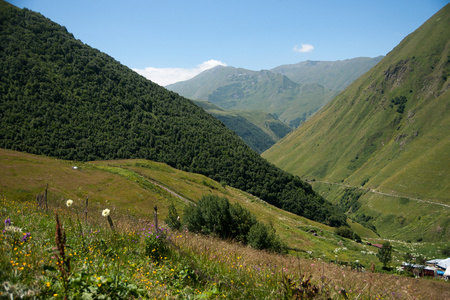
[26, 236]
[8, 222]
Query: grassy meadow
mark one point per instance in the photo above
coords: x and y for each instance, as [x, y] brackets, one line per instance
[131, 262]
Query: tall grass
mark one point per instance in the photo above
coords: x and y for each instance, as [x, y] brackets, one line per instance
[119, 264]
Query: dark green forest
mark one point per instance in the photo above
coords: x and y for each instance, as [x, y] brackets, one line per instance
[62, 98]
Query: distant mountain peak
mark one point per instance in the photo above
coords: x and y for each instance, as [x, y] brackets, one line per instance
[335, 75]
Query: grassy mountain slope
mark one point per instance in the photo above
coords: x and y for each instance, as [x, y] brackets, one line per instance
[62, 98]
[258, 129]
[241, 89]
[107, 264]
[135, 186]
[389, 131]
[334, 75]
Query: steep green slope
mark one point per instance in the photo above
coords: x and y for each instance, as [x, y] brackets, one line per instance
[258, 129]
[389, 131]
[62, 98]
[133, 187]
[241, 89]
[334, 75]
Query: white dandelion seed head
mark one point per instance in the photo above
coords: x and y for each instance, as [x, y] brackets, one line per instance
[105, 212]
[13, 229]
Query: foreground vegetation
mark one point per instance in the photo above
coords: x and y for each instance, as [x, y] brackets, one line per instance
[134, 260]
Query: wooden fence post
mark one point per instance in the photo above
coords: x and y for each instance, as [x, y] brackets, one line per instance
[38, 201]
[86, 209]
[156, 218]
[111, 223]
[46, 203]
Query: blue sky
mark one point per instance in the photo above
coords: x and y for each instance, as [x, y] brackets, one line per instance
[173, 40]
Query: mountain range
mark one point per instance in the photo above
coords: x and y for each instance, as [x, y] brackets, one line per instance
[333, 75]
[290, 93]
[381, 148]
[241, 89]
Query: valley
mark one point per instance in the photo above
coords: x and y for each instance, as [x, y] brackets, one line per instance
[240, 184]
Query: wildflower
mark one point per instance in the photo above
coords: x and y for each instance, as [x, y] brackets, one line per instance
[69, 203]
[105, 212]
[8, 222]
[13, 229]
[25, 236]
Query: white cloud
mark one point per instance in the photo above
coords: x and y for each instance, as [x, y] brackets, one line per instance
[166, 76]
[304, 48]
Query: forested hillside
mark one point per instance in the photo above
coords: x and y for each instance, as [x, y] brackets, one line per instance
[62, 98]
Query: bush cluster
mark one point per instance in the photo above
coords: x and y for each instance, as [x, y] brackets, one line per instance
[215, 215]
[347, 233]
[156, 246]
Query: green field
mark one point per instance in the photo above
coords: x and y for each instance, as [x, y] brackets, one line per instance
[192, 266]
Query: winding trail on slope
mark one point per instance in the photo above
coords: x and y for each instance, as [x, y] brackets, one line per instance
[384, 194]
[159, 184]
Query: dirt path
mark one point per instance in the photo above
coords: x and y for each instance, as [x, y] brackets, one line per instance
[173, 193]
[385, 194]
[170, 191]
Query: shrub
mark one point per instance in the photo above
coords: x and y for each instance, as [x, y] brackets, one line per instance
[385, 254]
[193, 218]
[262, 236]
[210, 216]
[304, 289]
[356, 237]
[242, 221]
[86, 286]
[156, 245]
[364, 181]
[446, 251]
[215, 215]
[345, 232]
[173, 219]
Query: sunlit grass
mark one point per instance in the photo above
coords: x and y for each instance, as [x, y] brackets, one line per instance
[114, 263]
